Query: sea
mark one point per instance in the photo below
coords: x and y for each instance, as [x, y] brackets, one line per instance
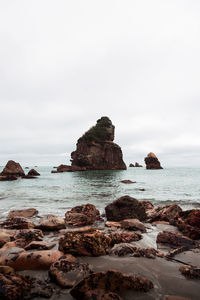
[57, 193]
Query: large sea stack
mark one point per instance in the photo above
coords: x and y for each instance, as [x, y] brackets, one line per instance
[95, 150]
[152, 161]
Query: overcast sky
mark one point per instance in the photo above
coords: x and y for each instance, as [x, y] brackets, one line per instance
[64, 64]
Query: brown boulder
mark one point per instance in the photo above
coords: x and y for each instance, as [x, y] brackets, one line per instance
[190, 272]
[33, 172]
[51, 223]
[17, 223]
[152, 161]
[95, 150]
[174, 239]
[147, 204]
[68, 273]
[133, 224]
[24, 260]
[123, 208]
[82, 215]
[5, 236]
[16, 287]
[85, 241]
[26, 213]
[125, 248]
[13, 168]
[29, 235]
[109, 281]
[39, 245]
[188, 222]
[124, 237]
[163, 213]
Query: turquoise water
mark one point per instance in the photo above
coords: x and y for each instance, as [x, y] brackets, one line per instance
[57, 193]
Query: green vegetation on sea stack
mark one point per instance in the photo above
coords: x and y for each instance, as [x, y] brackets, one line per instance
[98, 133]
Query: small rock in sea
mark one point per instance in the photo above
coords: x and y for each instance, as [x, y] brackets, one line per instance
[174, 239]
[190, 272]
[101, 283]
[51, 223]
[172, 297]
[33, 172]
[188, 222]
[66, 273]
[131, 165]
[133, 224]
[82, 215]
[28, 177]
[12, 168]
[127, 181]
[26, 213]
[137, 165]
[152, 162]
[84, 241]
[124, 208]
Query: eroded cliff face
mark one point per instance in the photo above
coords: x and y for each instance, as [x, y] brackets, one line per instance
[95, 150]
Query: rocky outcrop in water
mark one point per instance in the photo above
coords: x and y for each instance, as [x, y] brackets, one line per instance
[95, 150]
[152, 161]
[11, 171]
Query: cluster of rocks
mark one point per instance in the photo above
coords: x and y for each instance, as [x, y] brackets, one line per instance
[136, 165]
[57, 245]
[13, 171]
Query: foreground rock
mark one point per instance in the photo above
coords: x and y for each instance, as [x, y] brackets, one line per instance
[17, 223]
[111, 281]
[5, 236]
[124, 237]
[128, 249]
[95, 150]
[86, 241]
[163, 213]
[20, 259]
[190, 272]
[16, 287]
[133, 224]
[33, 172]
[26, 213]
[174, 239]
[68, 273]
[51, 223]
[12, 168]
[188, 222]
[82, 215]
[125, 208]
[152, 161]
